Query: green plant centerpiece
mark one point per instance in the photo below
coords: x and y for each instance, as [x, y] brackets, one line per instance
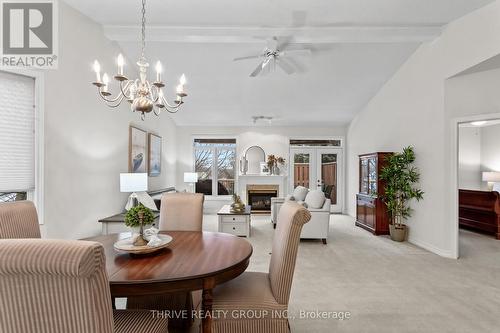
[139, 216]
[401, 178]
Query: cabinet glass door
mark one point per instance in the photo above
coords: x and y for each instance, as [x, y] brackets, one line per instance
[363, 185]
[372, 176]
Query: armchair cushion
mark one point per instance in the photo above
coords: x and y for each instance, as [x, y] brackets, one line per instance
[299, 193]
[127, 321]
[315, 199]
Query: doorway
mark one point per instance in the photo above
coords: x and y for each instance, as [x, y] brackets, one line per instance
[318, 168]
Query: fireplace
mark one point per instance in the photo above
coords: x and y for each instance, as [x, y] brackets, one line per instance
[259, 197]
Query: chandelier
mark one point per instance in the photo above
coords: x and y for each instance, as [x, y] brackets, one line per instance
[144, 96]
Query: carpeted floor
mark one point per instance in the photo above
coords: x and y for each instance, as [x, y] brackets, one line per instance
[384, 285]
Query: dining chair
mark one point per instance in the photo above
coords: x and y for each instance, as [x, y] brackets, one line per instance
[18, 219]
[61, 286]
[179, 211]
[263, 294]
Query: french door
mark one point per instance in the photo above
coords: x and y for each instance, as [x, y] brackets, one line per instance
[318, 169]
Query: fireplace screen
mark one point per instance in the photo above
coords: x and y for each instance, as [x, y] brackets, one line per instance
[259, 197]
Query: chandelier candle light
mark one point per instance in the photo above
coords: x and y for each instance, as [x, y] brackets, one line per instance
[144, 96]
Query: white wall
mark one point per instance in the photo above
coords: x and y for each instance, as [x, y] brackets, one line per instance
[490, 148]
[410, 110]
[469, 158]
[86, 143]
[274, 140]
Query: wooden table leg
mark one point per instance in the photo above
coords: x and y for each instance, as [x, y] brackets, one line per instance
[206, 305]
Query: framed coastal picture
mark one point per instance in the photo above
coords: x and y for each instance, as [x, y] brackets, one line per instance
[154, 164]
[264, 169]
[137, 150]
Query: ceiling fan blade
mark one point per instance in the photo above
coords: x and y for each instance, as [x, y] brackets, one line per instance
[247, 57]
[298, 52]
[285, 66]
[283, 42]
[258, 69]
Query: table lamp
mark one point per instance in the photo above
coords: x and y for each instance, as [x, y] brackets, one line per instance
[133, 182]
[491, 178]
[191, 178]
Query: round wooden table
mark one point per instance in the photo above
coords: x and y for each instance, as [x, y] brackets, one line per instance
[193, 261]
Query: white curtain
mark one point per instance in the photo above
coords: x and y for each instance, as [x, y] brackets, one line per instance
[17, 132]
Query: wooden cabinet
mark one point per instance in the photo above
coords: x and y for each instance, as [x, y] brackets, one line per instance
[371, 212]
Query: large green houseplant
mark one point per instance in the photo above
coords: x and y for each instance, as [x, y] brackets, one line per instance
[401, 178]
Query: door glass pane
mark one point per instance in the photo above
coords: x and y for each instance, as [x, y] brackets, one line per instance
[225, 171]
[329, 176]
[372, 175]
[203, 166]
[364, 176]
[301, 167]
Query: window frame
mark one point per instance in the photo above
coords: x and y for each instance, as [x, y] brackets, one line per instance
[215, 173]
[37, 194]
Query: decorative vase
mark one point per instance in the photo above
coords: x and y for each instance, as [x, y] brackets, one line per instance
[276, 170]
[398, 232]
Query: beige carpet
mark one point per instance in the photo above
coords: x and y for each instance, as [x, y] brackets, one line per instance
[387, 286]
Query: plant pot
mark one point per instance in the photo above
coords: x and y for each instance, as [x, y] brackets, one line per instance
[398, 232]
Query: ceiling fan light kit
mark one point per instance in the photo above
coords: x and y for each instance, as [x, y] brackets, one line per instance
[143, 95]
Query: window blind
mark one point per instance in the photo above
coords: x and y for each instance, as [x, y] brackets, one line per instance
[17, 132]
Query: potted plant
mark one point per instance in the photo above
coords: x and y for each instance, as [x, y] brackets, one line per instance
[400, 177]
[138, 217]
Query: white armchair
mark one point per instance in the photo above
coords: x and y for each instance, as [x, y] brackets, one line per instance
[318, 226]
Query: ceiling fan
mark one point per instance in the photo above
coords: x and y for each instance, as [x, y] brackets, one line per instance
[277, 54]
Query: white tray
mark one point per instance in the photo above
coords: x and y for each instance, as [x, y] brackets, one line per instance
[127, 245]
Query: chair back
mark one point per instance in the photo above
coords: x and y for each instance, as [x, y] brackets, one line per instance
[291, 218]
[54, 286]
[181, 211]
[18, 219]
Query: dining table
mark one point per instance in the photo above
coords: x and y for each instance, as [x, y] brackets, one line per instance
[193, 260]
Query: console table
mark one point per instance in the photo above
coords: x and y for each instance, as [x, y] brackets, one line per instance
[116, 223]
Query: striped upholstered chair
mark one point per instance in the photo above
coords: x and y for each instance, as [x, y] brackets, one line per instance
[18, 219]
[265, 293]
[59, 286]
[179, 212]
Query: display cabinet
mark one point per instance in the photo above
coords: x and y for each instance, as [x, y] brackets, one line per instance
[371, 212]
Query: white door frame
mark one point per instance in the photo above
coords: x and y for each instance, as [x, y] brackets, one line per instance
[454, 174]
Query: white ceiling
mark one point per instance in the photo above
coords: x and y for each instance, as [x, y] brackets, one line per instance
[359, 45]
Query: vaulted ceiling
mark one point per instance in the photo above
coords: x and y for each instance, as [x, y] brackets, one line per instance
[357, 46]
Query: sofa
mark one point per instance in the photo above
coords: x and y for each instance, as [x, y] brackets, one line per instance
[316, 204]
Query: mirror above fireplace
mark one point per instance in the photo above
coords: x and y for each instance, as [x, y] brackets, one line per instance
[251, 159]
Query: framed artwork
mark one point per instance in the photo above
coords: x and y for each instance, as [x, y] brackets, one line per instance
[264, 169]
[137, 150]
[154, 163]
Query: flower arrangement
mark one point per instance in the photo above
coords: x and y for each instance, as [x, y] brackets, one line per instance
[273, 162]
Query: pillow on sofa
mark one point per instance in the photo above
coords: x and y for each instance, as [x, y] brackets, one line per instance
[302, 203]
[315, 199]
[289, 198]
[300, 193]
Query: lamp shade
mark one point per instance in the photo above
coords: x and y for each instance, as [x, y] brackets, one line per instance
[133, 182]
[190, 177]
[492, 177]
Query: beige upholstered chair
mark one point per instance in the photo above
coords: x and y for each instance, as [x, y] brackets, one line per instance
[179, 212]
[266, 293]
[58, 286]
[18, 219]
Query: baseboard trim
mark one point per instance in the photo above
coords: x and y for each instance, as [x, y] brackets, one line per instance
[432, 248]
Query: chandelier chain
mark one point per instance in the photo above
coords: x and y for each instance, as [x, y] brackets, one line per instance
[143, 30]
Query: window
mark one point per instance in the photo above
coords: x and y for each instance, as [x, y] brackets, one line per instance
[19, 137]
[215, 161]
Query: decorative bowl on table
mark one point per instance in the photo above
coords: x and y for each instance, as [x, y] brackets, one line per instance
[127, 245]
